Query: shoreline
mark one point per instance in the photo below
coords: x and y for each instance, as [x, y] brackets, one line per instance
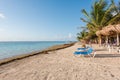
[45, 51]
[62, 64]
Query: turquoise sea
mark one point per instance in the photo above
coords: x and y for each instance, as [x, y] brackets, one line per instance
[9, 49]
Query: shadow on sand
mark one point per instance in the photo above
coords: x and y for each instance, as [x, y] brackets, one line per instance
[100, 49]
[104, 56]
[107, 55]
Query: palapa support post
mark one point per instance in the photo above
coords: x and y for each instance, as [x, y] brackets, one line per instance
[117, 39]
[100, 40]
[106, 40]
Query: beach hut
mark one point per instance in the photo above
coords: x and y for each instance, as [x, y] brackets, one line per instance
[110, 30]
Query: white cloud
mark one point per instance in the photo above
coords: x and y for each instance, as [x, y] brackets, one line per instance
[2, 15]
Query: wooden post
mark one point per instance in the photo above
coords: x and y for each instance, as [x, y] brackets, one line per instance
[117, 39]
[100, 40]
[106, 40]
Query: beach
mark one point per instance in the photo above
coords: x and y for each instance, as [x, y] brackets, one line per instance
[63, 65]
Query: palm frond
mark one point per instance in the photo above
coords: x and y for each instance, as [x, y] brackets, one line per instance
[114, 19]
[106, 15]
[85, 13]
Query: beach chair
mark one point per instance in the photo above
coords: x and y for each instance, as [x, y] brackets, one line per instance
[112, 49]
[85, 51]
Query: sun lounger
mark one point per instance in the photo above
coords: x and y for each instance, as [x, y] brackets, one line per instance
[85, 51]
[112, 49]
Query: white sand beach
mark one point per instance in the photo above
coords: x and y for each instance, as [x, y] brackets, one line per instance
[63, 65]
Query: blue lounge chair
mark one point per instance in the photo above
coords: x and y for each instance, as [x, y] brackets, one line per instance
[84, 51]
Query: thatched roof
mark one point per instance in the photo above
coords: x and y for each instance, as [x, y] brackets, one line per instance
[98, 33]
[109, 30]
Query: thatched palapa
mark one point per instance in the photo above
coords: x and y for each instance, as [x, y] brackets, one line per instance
[110, 30]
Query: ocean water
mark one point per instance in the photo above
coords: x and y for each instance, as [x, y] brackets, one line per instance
[9, 49]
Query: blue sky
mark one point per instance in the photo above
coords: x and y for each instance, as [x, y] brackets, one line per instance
[39, 20]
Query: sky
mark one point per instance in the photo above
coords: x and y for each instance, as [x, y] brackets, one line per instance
[41, 20]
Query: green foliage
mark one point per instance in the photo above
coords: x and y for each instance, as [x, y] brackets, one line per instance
[82, 35]
[101, 15]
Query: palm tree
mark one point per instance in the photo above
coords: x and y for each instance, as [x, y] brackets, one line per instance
[82, 35]
[115, 14]
[100, 16]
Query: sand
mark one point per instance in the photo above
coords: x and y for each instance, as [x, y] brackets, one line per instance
[63, 65]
